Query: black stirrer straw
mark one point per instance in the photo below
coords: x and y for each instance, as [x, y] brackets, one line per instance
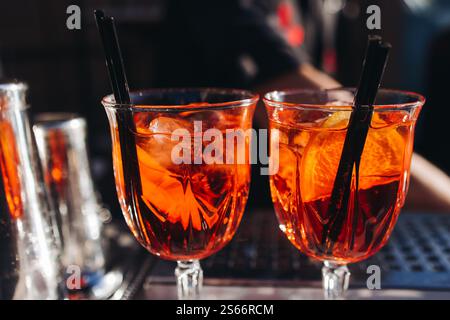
[125, 123]
[360, 118]
[113, 56]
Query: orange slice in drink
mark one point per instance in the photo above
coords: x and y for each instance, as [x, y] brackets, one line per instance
[381, 161]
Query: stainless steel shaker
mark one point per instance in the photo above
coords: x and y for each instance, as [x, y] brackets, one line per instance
[61, 142]
[29, 267]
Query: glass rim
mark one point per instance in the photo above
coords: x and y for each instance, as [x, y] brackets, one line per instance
[12, 86]
[13, 94]
[419, 100]
[48, 121]
[250, 99]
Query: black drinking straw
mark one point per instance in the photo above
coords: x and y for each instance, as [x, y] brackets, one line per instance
[113, 56]
[125, 123]
[360, 118]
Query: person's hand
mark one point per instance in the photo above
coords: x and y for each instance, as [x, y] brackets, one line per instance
[429, 188]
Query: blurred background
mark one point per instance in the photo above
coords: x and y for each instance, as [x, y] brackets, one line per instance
[164, 44]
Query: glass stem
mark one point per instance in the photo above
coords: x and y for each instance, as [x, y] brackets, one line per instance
[189, 279]
[335, 280]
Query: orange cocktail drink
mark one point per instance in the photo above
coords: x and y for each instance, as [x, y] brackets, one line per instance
[309, 128]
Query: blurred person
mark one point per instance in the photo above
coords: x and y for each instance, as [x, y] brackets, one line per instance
[266, 45]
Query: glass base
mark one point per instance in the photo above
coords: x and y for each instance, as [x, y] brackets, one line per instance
[189, 279]
[335, 280]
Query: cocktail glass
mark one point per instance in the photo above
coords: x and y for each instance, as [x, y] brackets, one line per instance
[182, 171]
[307, 132]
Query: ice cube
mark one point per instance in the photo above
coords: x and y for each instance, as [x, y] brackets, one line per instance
[157, 144]
[168, 125]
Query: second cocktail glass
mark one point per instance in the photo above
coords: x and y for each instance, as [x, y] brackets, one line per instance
[179, 199]
[309, 129]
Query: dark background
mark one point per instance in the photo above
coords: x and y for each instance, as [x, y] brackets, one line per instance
[66, 72]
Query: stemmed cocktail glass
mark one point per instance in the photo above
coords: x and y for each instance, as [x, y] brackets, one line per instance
[308, 130]
[181, 183]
